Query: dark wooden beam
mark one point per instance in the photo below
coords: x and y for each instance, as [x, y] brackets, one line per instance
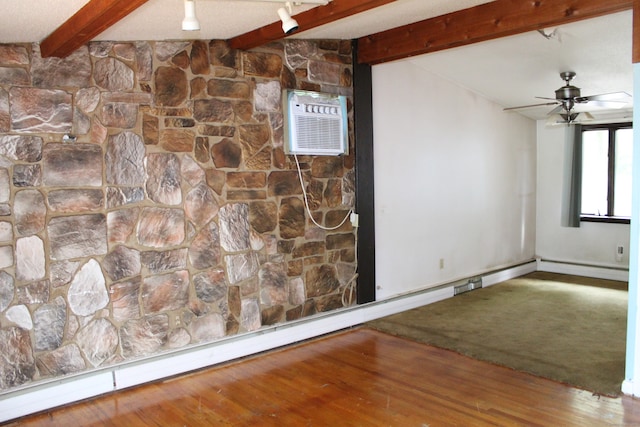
[365, 195]
[488, 21]
[636, 32]
[94, 17]
[321, 15]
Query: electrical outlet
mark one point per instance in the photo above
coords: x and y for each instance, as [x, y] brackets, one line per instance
[441, 263]
[355, 219]
[619, 253]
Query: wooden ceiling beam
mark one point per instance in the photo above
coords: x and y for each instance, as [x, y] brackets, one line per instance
[94, 17]
[333, 11]
[635, 49]
[487, 21]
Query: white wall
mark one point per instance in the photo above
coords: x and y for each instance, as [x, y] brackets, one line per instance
[591, 243]
[454, 181]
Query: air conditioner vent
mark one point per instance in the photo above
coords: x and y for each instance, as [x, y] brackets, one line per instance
[315, 123]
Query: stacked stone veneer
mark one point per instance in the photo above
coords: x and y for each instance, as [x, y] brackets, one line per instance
[146, 203]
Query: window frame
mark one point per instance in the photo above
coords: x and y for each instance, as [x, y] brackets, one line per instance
[611, 128]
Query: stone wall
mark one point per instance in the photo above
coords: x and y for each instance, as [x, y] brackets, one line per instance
[146, 203]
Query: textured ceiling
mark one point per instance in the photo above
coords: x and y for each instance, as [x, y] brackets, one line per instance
[511, 71]
[33, 20]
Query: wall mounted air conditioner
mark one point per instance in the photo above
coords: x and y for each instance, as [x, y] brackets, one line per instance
[315, 123]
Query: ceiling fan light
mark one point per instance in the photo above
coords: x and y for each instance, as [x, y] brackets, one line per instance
[190, 22]
[555, 119]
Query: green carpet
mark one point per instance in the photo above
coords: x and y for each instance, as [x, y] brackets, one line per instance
[569, 329]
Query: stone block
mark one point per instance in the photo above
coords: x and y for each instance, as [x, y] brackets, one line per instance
[224, 88]
[77, 236]
[272, 315]
[165, 292]
[172, 87]
[191, 171]
[234, 227]
[30, 258]
[241, 267]
[23, 148]
[7, 290]
[75, 200]
[17, 364]
[250, 318]
[72, 71]
[261, 64]
[88, 293]
[163, 178]
[221, 54]
[263, 216]
[210, 285]
[208, 327]
[49, 321]
[13, 55]
[162, 261]
[113, 75]
[213, 110]
[226, 154]
[78, 165]
[122, 262]
[204, 251]
[177, 140]
[62, 361]
[40, 110]
[291, 218]
[140, 337]
[321, 280]
[30, 212]
[124, 299]
[273, 282]
[98, 341]
[161, 227]
[121, 115]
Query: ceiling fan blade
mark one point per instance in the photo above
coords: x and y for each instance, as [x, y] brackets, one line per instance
[529, 106]
[614, 96]
[544, 97]
[556, 119]
[556, 110]
[561, 119]
[607, 104]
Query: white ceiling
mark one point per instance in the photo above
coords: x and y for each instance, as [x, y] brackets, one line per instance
[33, 20]
[511, 71]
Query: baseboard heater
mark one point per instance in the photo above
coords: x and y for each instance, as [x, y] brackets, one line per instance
[473, 283]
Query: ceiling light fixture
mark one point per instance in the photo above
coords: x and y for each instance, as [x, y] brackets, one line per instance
[190, 22]
[295, 2]
[289, 25]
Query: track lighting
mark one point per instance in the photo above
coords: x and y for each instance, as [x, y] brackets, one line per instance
[289, 25]
[190, 22]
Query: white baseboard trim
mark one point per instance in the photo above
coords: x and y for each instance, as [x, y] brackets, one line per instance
[57, 393]
[509, 273]
[629, 388]
[60, 391]
[607, 273]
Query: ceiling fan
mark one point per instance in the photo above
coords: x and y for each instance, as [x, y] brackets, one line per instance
[568, 97]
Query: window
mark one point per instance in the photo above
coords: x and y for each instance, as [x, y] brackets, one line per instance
[606, 172]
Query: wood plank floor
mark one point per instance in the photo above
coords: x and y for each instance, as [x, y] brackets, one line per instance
[360, 377]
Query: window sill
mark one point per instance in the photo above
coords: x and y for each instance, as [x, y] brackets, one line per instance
[607, 219]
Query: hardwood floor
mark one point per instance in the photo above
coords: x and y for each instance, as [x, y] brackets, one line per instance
[359, 377]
